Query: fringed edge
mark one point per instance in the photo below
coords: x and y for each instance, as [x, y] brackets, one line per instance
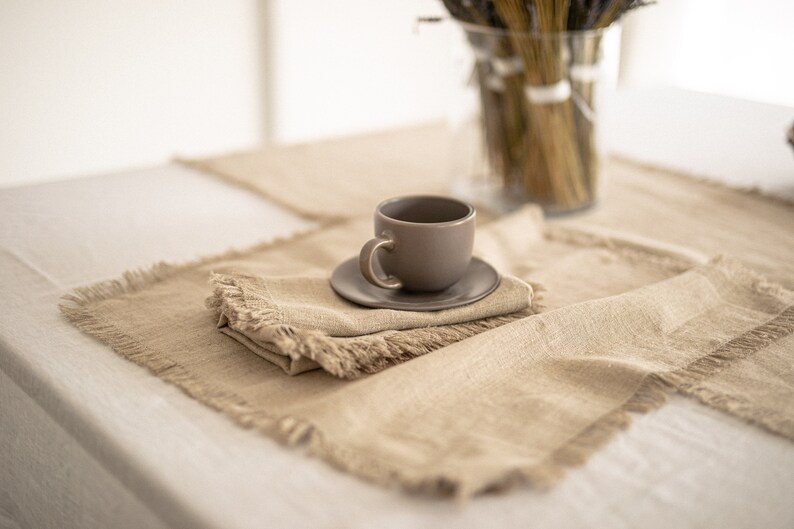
[537, 296]
[651, 394]
[750, 190]
[89, 322]
[130, 281]
[767, 419]
[288, 430]
[135, 280]
[686, 380]
[352, 357]
[208, 168]
[228, 300]
[750, 278]
[631, 251]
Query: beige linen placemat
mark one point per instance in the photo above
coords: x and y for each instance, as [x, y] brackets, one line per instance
[519, 402]
[347, 177]
[339, 178]
[658, 206]
[299, 323]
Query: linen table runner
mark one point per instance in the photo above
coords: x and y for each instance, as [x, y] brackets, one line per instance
[300, 323]
[519, 402]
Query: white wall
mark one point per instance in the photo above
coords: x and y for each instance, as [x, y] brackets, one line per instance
[737, 48]
[354, 66]
[90, 86]
[708, 89]
[94, 86]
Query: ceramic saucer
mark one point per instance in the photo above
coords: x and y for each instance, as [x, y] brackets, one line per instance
[479, 280]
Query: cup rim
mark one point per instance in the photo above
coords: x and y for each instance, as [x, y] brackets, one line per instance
[472, 212]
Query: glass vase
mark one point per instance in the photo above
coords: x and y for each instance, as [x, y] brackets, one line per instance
[524, 124]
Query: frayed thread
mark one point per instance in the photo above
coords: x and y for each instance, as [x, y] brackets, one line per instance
[538, 290]
[206, 166]
[292, 431]
[632, 252]
[229, 302]
[652, 393]
[136, 280]
[352, 357]
[750, 190]
[343, 357]
[740, 273]
[131, 281]
[687, 380]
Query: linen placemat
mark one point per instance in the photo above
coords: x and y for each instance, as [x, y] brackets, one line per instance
[347, 177]
[657, 205]
[339, 178]
[519, 402]
[299, 323]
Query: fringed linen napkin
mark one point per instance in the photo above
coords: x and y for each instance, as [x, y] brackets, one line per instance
[300, 324]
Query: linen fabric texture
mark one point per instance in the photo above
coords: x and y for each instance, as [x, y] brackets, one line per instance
[518, 403]
[300, 323]
[348, 178]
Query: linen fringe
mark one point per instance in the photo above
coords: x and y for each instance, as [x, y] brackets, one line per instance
[292, 431]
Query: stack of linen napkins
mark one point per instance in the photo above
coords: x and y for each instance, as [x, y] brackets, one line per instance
[301, 324]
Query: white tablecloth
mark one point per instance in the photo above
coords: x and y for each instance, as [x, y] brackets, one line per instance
[88, 439]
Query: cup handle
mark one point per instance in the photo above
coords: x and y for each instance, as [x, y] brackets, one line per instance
[386, 241]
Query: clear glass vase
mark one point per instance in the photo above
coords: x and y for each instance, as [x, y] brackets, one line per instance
[524, 124]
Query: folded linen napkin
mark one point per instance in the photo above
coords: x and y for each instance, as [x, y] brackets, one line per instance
[301, 324]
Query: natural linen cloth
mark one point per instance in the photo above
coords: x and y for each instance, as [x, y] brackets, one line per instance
[300, 323]
[658, 206]
[519, 402]
[339, 178]
[347, 177]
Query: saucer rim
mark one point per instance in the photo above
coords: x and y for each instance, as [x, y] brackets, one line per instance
[426, 306]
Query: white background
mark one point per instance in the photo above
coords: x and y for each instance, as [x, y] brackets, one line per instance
[90, 86]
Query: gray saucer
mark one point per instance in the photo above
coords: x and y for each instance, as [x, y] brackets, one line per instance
[479, 280]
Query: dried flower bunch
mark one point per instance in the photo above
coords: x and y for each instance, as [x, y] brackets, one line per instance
[581, 14]
[537, 62]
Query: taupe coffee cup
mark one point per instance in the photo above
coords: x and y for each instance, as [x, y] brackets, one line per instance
[422, 243]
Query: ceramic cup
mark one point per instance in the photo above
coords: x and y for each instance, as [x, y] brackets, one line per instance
[422, 243]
